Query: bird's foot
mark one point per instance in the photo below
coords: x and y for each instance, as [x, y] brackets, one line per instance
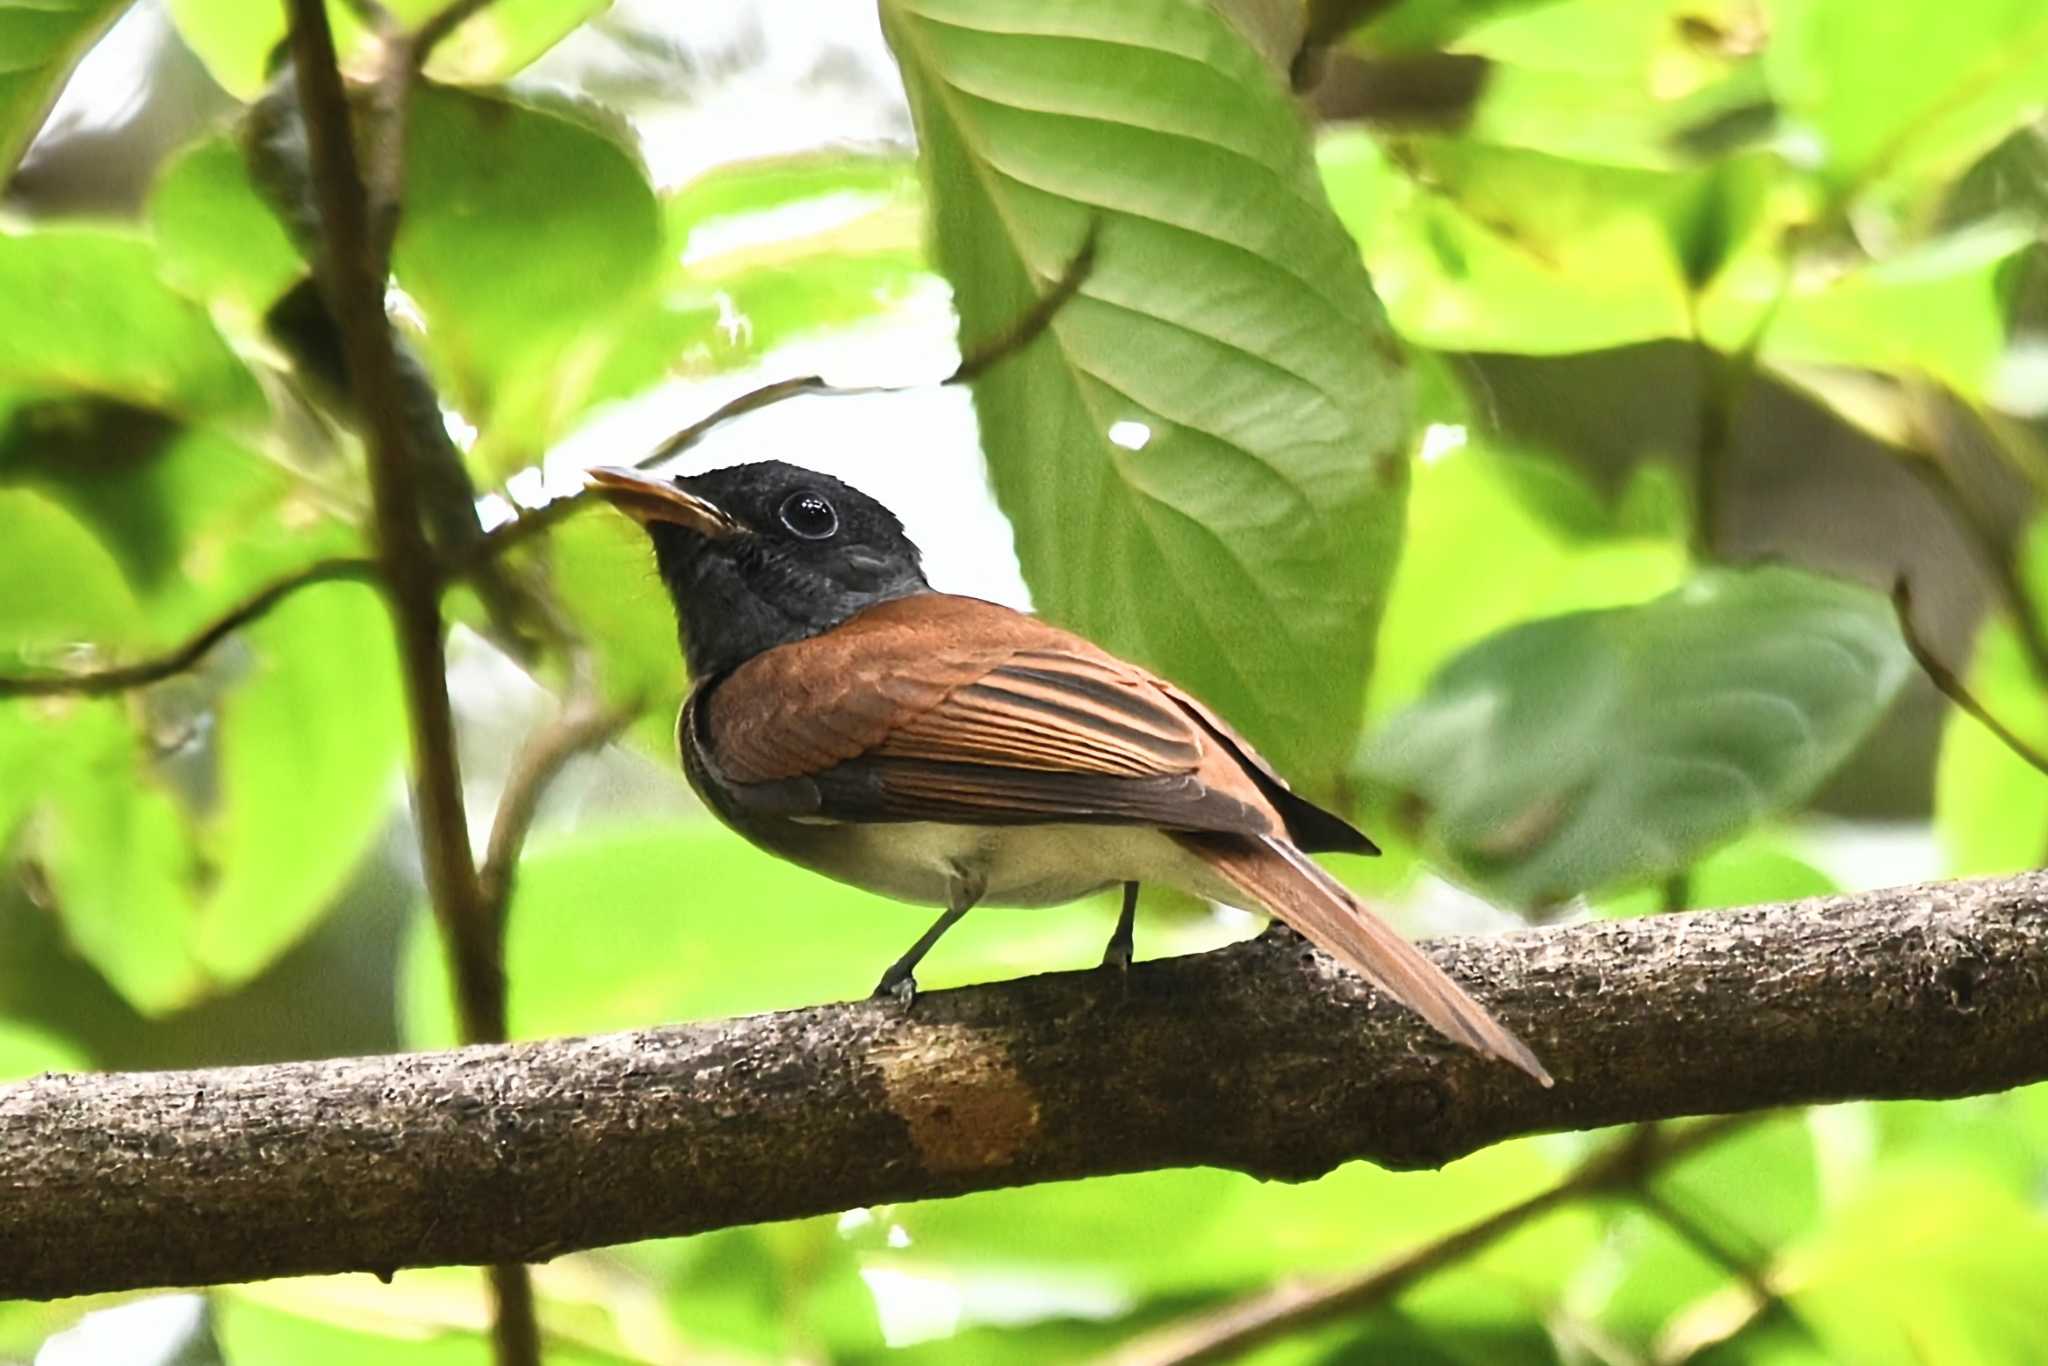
[900, 987]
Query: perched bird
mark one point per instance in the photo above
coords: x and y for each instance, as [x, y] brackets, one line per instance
[949, 751]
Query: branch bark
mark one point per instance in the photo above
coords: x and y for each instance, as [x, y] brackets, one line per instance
[1261, 1057]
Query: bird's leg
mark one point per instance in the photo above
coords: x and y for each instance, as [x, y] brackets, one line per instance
[900, 980]
[1118, 954]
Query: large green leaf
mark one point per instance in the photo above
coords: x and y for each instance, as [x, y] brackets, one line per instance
[1203, 460]
[1583, 752]
[88, 313]
[1990, 805]
[310, 745]
[524, 229]
[40, 41]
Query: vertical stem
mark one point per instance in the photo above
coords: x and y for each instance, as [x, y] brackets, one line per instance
[412, 580]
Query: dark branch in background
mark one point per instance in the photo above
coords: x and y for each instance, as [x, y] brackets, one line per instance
[142, 673]
[1950, 686]
[585, 724]
[1226, 1333]
[1027, 329]
[1261, 1057]
[356, 231]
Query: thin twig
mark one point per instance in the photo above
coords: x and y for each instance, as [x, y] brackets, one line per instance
[179, 658]
[358, 265]
[584, 724]
[1037, 318]
[1226, 1333]
[1950, 686]
[1992, 551]
[429, 35]
[1765, 1301]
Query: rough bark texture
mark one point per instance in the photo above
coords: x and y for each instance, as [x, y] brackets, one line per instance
[1260, 1057]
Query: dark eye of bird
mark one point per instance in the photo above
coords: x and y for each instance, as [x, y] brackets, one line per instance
[809, 515]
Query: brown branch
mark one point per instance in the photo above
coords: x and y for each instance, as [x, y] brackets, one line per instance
[357, 233]
[1261, 1057]
[179, 658]
[584, 724]
[1949, 685]
[1225, 1334]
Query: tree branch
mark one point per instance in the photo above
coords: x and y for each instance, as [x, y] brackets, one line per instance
[1261, 1057]
[1949, 685]
[119, 677]
[357, 230]
[584, 724]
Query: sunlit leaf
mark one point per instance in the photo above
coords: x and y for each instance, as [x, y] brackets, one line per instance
[46, 544]
[25, 1051]
[217, 238]
[89, 314]
[1762, 866]
[1581, 752]
[1202, 462]
[422, 1321]
[1991, 805]
[524, 229]
[309, 748]
[40, 41]
[1908, 90]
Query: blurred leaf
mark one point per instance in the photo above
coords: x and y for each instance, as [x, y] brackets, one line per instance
[46, 545]
[235, 39]
[25, 1052]
[1990, 805]
[88, 313]
[114, 847]
[310, 746]
[217, 239]
[1202, 462]
[1760, 867]
[1405, 25]
[689, 922]
[1583, 752]
[1471, 505]
[606, 581]
[1500, 249]
[427, 1318]
[1910, 93]
[1937, 310]
[40, 41]
[524, 230]
[1929, 1264]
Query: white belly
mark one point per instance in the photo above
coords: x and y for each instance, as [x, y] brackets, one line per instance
[1030, 865]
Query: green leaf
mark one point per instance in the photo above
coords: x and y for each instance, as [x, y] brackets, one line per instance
[1203, 460]
[310, 747]
[1501, 249]
[524, 230]
[1760, 867]
[25, 1052]
[217, 238]
[402, 1326]
[235, 39]
[1472, 504]
[627, 928]
[1937, 310]
[89, 314]
[46, 545]
[602, 574]
[1583, 752]
[1911, 93]
[114, 847]
[1990, 805]
[40, 41]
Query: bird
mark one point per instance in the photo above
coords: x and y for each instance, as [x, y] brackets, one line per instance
[948, 751]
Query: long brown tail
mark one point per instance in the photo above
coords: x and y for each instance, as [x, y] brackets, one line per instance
[1290, 885]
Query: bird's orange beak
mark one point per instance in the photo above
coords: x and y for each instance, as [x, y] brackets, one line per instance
[647, 500]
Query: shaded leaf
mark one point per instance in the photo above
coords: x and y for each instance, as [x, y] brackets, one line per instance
[217, 238]
[1583, 752]
[1202, 462]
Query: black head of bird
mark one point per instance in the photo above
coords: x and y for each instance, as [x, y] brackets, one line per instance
[763, 554]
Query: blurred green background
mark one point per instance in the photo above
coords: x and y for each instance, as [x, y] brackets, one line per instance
[1511, 413]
